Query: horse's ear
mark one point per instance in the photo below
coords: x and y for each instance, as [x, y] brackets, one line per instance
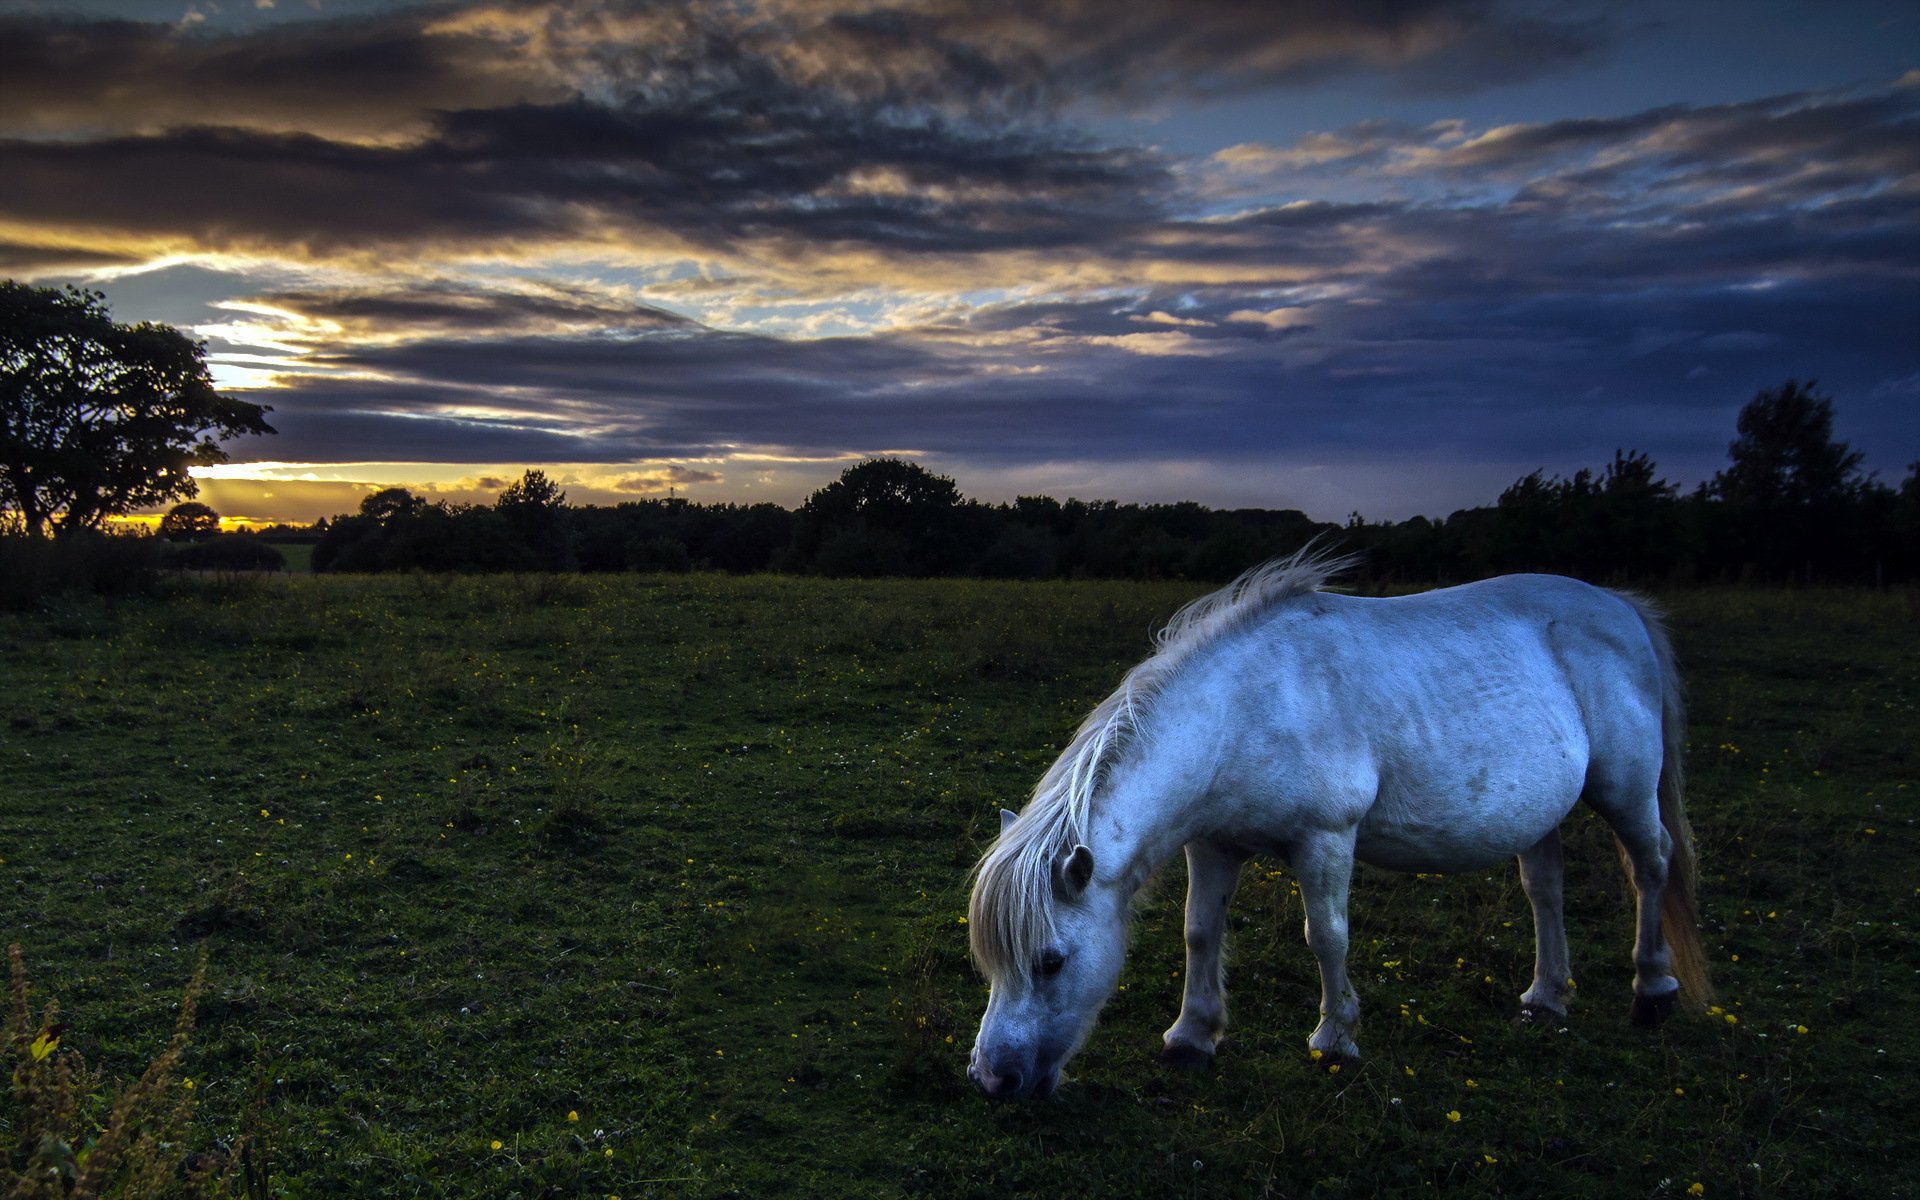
[1007, 819]
[1073, 872]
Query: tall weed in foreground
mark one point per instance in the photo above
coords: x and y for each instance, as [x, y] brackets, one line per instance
[60, 1148]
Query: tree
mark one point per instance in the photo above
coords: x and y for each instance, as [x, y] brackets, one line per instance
[189, 522]
[887, 493]
[1785, 455]
[884, 516]
[535, 509]
[98, 419]
[390, 506]
[1789, 487]
[1631, 526]
[533, 491]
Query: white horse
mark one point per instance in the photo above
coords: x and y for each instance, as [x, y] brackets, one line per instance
[1438, 732]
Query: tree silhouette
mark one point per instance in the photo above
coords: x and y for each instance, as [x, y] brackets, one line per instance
[98, 419]
[388, 506]
[189, 522]
[1785, 455]
[1788, 484]
[535, 510]
[881, 517]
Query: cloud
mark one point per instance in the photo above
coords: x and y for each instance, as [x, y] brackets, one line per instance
[699, 174]
[660, 480]
[1017, 54]
[372, 76]
[1904, 388]
[779, 127]
[404, 310]
[1276, 319]
[30, 260]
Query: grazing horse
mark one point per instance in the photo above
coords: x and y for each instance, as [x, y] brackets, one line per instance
[1437, 732]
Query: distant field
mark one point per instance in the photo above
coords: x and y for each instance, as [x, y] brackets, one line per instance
[686, 857]
[299, 556]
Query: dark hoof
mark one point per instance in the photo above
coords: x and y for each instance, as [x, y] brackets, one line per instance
[1650, 1012]
[1536, 1016]
[1186, 1058]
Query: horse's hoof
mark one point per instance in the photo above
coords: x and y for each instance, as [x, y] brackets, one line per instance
[1539, 1016]
[1182, 1057]
[1651, 1012]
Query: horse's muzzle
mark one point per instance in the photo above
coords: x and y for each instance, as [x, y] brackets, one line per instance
[1014, 1084]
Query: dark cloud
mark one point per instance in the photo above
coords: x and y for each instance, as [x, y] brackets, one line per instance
[1759, 154]
[1054, 53]
[709, 171]
[459, 309]
[370, 75]
[30, 261]
[911, 128]
[383, 68]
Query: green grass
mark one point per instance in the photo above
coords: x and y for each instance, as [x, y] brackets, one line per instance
[299, 556]
[686, 857]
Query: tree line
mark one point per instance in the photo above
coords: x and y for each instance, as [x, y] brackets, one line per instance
[1792, 505]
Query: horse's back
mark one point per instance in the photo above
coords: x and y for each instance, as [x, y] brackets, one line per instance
[1465, 721]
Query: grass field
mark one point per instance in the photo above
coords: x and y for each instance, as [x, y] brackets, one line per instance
[652, 886]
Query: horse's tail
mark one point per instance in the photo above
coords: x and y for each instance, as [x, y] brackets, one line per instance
[1679, 914]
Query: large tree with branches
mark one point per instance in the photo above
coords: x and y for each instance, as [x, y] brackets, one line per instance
[99, 419]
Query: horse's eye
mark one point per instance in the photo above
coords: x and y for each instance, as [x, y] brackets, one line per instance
[1050, 963]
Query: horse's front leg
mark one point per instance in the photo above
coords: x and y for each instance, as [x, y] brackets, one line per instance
[1323, 863]
[1541, 870]
[1213, 871]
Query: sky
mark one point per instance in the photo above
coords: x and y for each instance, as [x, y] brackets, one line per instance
[1374, 256]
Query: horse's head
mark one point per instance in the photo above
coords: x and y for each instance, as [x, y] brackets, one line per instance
[1052, 952]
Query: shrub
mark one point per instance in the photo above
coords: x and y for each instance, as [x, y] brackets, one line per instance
[34, 570]
[64, 1146]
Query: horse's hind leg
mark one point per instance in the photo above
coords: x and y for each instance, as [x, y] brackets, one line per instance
[1647, 847]
[1541, 872]
[1213, 871]
[1323, 863]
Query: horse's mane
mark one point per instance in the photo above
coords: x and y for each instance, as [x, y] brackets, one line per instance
[1010, 918]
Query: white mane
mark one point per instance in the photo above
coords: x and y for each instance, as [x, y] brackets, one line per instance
[1010, 918]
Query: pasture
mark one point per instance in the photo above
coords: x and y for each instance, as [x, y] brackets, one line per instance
[635, 886]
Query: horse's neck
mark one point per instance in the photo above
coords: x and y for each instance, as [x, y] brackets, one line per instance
[1153, 804]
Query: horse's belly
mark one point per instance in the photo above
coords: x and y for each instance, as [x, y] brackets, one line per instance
[1446, 830]
[1441, 853]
